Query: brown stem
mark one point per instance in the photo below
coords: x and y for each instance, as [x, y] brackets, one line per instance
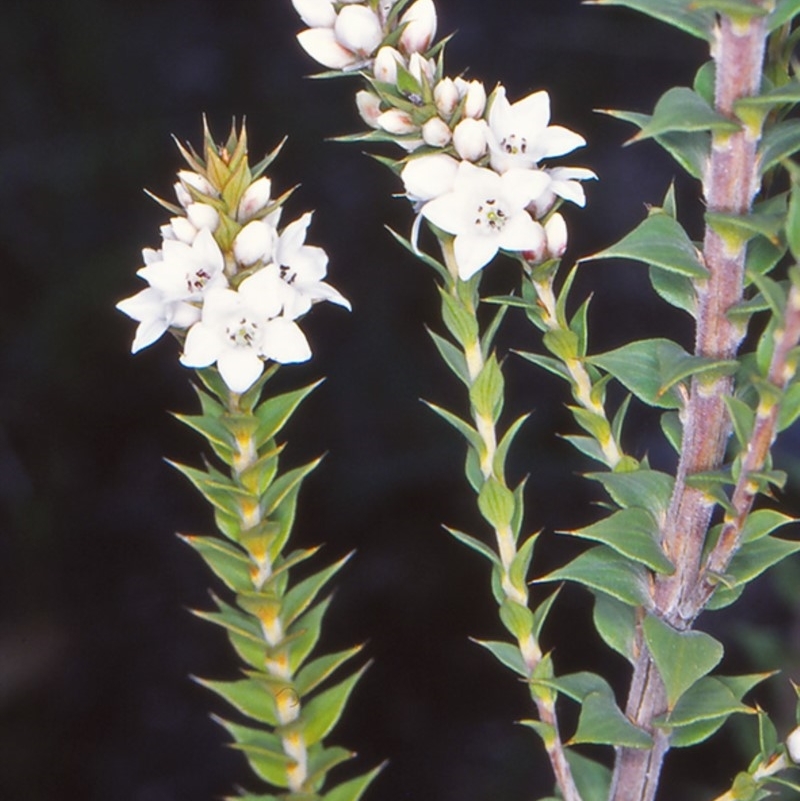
[730, 184]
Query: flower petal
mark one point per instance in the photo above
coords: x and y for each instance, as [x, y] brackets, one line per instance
[322, 46]
[521, 232]
[472, 252]
[284, 342]
[202, 347]
[240, 368]
[557, 141]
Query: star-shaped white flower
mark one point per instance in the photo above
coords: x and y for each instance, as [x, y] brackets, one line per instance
[486, 213]
[240, 329]
[155, 315]
[563, 182]
[520, 135]
[301, 268]
[187, 272]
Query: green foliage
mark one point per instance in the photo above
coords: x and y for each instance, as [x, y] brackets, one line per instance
[275, 621]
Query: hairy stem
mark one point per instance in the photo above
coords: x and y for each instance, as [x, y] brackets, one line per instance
[515, 591]
[730, 185]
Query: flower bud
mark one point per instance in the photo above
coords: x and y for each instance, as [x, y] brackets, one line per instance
[385, 66]
[419, 66]
[436, 132]
[183, 230]
[793, 745]
[358, 29]
[201, 215]
[555, 231]
[445, 95]
[396, 122]
[255, 242]
[420, 27]
[255, 198]
[475, 103]
[429, 176]
[184, 198]
[316, 13]
[197, 182]
[469, 139]
[369, 107]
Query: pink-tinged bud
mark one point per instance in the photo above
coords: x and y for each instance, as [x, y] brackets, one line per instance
[197, 182]
[469, 139]
[359, 30]
[555, 231]
[419, 66]
[793, 745]
[255, 242]
[445, 95]
[201, 215]
[475, 103]
[255, 198]
[184, 198]
[436, 132]
[385, 66]
[420, 22]
[316, 13]
[322, 46]
[396, 122]
[428, 177]
[369, 107]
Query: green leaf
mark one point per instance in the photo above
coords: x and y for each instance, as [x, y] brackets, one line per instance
[263, 750]
[505, 443]
[673, 429]
[592, 779]
[248, 696]
[740, 10]
[476, 545]
[541, 612]
[423, 257]
[645, 488]
[460, 322]
[603, 569]
[227, 561]
[677, 290]
[643, 367]
[305, 633]
[633, 533]
[603, 723]
[283, 486]
[452, 357]
[708, 699]
[742, 417]
[678, 13]
[517, 619]
[353, 790]
[487, 393]
[323, 711]
[587, 446]
[316, 672]
[213, 430]
[763, 522]
[661, 241]
[789, 409]
[682, 657]
[793, 222]
[462, 426]
[753, 558]
[275, 412]
[506, 654]
[784, 11]
[233, 620]
[694, 733]
[578, 686]
[323, 760]
[779, 142]
[681, 109]
[496, 503]
[301, 596]
[616, 624]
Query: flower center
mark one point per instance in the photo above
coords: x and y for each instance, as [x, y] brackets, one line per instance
[490, 216]
[196, 281]
[514, 145]
[242, 332]
[286, 275]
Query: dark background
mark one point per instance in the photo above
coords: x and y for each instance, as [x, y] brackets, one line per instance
[96, 645]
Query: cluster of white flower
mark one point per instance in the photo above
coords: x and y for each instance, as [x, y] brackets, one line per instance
[226, 281]
[475, 165]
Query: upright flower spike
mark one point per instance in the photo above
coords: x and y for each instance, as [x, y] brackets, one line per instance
[227, 273]
[239, 287]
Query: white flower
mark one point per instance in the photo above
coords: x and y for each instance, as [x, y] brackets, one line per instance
[436, 133]
[301, 268]
[469, 139]
[486, 213]
[422, 68]
[180, 229]
[428, 177]
[348, 42]
[255, 242]
[155, 315]
[520, 134]
[384, 67]
[239, 329]
[563, 182]
[358, 29]
[255, 198]
[201, 215]
[197, 182]
[316, 13]
[420, 22]
[369, 107]
[186, 272]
